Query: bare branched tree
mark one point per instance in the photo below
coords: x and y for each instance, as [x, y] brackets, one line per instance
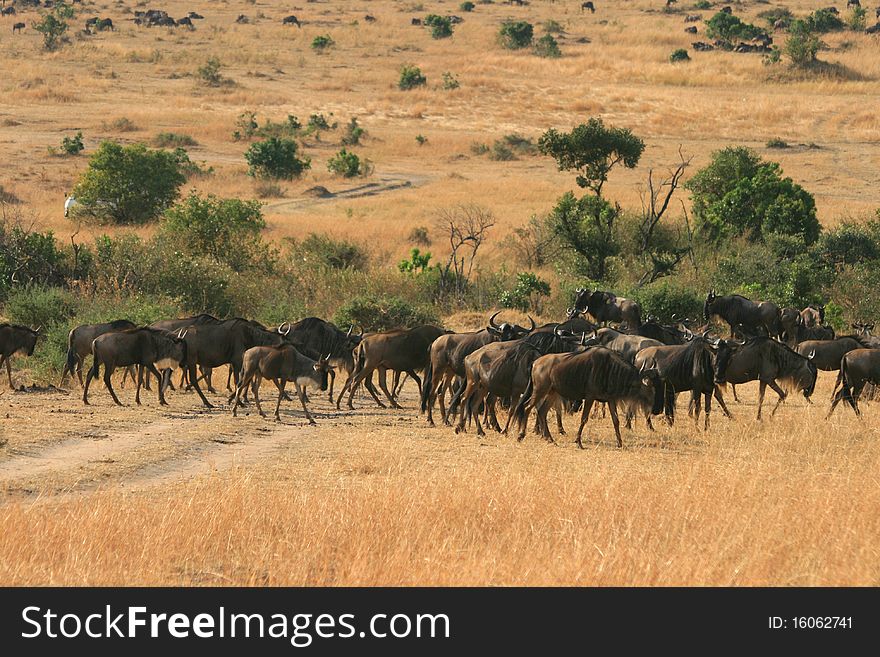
[533, 245]
[466, 228]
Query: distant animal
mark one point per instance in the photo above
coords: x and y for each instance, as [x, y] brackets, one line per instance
[193, 15]
[874, 29]
[691, 30]
[588, 5]
[624, 344]
[69, 202]
[370, 19]
[242, 19]
[145, 347]
[768, 362]
[281, 364]
[105, 24]
[606, 307]
[455, 20]
[187, 21]
[827, 354]
[692, 18]
[832, 10]
[702, 47]
[290, 20]
[813, 316]
[18, 27]
[79, 345]
[415, 21]
[736, 309]
[853, 3]
[781, 24]
[669, 3]
[727, 9]
[7, 11]
[857, 369]
[16, 339]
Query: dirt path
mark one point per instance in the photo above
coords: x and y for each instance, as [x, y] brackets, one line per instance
[383, 184]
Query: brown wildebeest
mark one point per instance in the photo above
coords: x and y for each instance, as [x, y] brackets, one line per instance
[768, 362]
[685, 368]
[827, 354]
[281, 364]
[16, 339]
[79, 345]
[813, 316]
[446, 362]
[290, 20]
[224, 343]
[606, 307]
[595, 374]
[736, 309]
[588, 5]
[623, 343]
[18, 27]
[500, 370]
[668, 334]
[175, 325]
[145, 347]
[858, 368]
[401, 350]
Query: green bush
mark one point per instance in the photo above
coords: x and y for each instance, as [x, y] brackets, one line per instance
[319, 122]
[30, 258]
[772, 16]
[823, 20]
[703, 4]
[227, 230]
[665, 298]
[547, 47]
[411, 77]
[729, 28]
[527, 294]
[54, 25]
[553, 27]
[450, 81]
[320, 250]
[73, 145]
[322, 42]
[441, 26]
[857, 19]
[418, 262]
[802, 45]
[679, 55]
[128, 184]
[516, 35]
[382, 313]
[777, 143]
[173, 140]
[37, 306]
[467, 6]
[353, 133]
[275, 158]
[209, 73]
[848, 244]
[348, 165]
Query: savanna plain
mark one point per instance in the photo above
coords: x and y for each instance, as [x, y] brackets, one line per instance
[182, 495]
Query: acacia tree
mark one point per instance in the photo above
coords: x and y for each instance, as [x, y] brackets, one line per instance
[54, 24]
[586, 225]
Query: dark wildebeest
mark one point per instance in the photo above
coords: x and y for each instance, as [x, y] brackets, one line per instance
[16, 339]
[767, 361]
[175, 325]
[105, 24]
[446, 362]
[322, 337]
[827, 354]
[588, 5]
[416, 21]
[224, 343]
[594, 374]
[727, 10]
[606, 307]
[280, 364]
[857, 369]
[668, 334]
[7, 11]
[691, 30]
[685, 368]
[853, 3]
[370, 19]
[623, 343]
[401, 350]
[145, 347]
[194, 16]
[500, 370]
[187, 21]
[242, 19]
[79, 345]
[736, 309]
[18, 27]
[290, 20]
[692, 18]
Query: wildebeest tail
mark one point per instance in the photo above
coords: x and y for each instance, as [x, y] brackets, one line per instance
[845, 389]
[520, 410]
[426, 385]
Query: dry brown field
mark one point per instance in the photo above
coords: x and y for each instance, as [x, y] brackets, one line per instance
[180, 495]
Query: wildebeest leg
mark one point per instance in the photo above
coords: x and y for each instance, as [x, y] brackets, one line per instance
[612, 410]
[93, 371]
[229, 377]
[477, 401]
[242, 385]
[513, 404]
[281, 384]
[383, 383]
[151, 369]
[559, 425]
[779, 391]
[371, 388]
[139, 380]
[585, 415]
[720, 400]
[762, 388]
[80, 363]
[492, 418]
[396, 384]
[302, 400]
[332, 374]
[193, 376]
[255, 389]
[733, 390]
[9, 371]
[108, 373]
[695, 404]
[415, 377]
[541, 425]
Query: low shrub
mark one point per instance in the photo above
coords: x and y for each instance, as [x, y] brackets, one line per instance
[382, 313]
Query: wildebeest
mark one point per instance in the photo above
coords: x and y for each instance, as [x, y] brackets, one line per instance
[187, 21]
[702, 46]
[858, 368]
[685, 368]
[224, 343]
[18, 27]
[813, 316]
[322, 337]
[767, 361]
[446, 363]
[736, 309]
[853, 3]
[79, 345]
[145, 347]
[105, 24]
[290, 20]
[873, 29]
[500, 370]
[692, 18]
[727, 9]
[194, 16]
[623, 343]
[7, 11]
[606, 307]
[242, 19]
[691, 30]
[415, 21]
[182, 323]
[280, 364]
[666, 333]
[594, 374]
[16, 339]
[370, 19]
[402, 350]
[588, 5]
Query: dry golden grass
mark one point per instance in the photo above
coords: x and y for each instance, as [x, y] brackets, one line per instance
[120, 496]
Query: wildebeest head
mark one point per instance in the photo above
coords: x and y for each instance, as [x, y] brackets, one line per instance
[29, 341]
[652, 390]
[505, 331]
[322, 367]
[806, 378]
[581, 302]
[724, 350]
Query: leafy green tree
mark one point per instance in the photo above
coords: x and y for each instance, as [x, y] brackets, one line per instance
[739, 194]
[528, 293]
[802, 45]
[128, 184]
[418, 262]
[824, 20]
[516, 35]
[441, 26]
[347, 164]
[411, 77]
[275, 158]
[225, 229]
[53, 25]
[729, 28]
[547, 47]
[73, 145]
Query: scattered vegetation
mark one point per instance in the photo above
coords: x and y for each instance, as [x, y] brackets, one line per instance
[53, 25]
[173, 140]
[516, 35]
[449, 81]
[467, 6]
[209, 73]
[348, 165]
[730, 28]
[353, 133]
[679, 55]
[322, 43]
[777, 143]
[441, 26]
[275, 158]
[73, 145]
[546, 46]
[528, 293]
[411, 77]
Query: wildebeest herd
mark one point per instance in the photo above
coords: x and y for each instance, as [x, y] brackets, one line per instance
[603, 352]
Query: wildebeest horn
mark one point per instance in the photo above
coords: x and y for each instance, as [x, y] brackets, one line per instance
[492, 320]
[812, 355]
[533, 323]
[350, 329]
[327, 357]
[705, 333]
[583, 338]
[38, 329]
[182, 333]
[289, 326]
[281, 328]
